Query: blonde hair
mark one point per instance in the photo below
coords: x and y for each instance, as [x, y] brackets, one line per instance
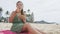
[22, 13]
[19, 2]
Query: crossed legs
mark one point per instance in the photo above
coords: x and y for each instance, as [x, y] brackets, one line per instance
[31, 30]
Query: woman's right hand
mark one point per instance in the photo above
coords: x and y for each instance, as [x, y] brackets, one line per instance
[12, 17]
[17, 10]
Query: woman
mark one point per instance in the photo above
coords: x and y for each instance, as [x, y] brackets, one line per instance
[18, 19]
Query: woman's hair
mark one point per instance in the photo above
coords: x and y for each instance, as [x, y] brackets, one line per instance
[22, 13]
[19, 2]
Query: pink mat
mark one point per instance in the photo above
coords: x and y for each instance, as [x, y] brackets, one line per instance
[9, 32]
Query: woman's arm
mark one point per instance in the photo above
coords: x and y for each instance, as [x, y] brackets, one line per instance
[12, 17]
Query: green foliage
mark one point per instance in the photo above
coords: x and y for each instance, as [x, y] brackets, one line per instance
[0, 9]
[7, 12]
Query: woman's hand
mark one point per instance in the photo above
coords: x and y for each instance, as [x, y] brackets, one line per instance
[18, 14]
[13, 14]
[18, 10]
[22, 17]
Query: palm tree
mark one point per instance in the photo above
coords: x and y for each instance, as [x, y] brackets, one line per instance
[7, 13]
[0, 13]
[28, 15]
[7, 16]
[28, 10]
[0, 9]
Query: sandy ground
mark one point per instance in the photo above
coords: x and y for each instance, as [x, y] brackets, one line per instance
[47, 28]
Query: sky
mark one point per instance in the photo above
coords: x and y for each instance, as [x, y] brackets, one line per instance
[48, 10]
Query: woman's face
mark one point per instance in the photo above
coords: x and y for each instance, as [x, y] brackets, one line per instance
[20, 5]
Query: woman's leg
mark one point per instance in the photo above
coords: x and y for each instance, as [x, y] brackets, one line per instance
[30, 29]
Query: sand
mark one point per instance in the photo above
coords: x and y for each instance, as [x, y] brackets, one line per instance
[47, 28]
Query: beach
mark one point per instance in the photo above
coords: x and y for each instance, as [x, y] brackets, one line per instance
[47, 28]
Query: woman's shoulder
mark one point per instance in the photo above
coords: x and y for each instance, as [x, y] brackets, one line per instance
[13, 13]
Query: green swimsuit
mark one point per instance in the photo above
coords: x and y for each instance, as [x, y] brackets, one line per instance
[17, 24]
